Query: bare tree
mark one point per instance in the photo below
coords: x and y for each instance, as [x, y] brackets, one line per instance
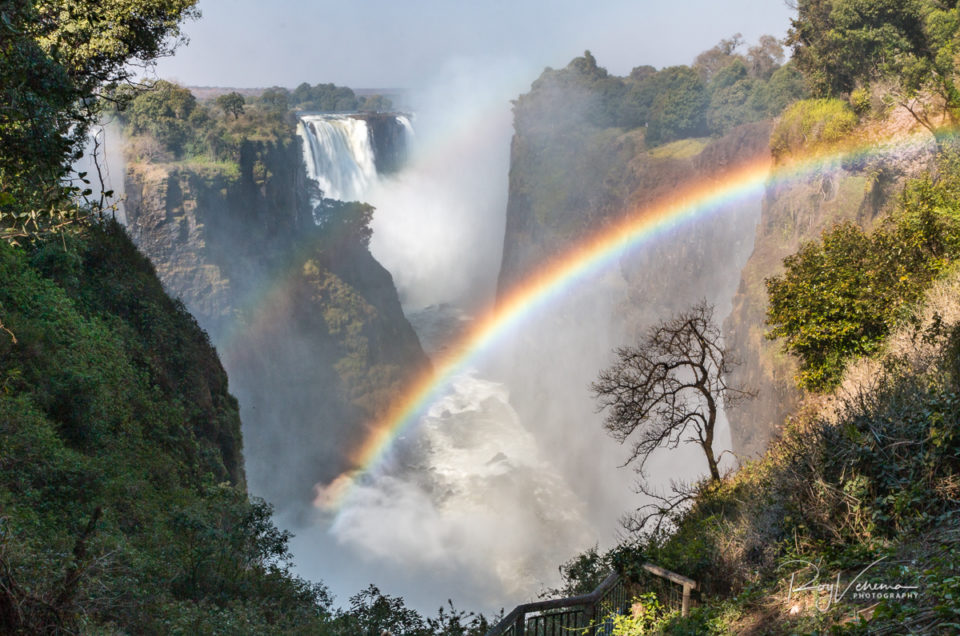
[669, 389]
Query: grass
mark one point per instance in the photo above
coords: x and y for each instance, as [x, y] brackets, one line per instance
[681, 149]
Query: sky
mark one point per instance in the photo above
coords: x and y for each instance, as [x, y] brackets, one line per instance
[392, 44]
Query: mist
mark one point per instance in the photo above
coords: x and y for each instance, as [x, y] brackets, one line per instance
[438, 226]
[104, 165]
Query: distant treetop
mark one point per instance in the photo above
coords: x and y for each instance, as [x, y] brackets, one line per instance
[333, 98]
[723, 89]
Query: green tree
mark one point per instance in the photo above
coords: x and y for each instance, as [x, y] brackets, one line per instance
[163, 111]
[785, 86]
[376, 103]
[911, 45]
[839, 297]
[679, 107]
[715, 59]
[231, 104]
[276, 99]
[825, 305]
[838, 43]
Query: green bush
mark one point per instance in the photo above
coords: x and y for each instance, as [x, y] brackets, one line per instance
[839, 297]
[811, 124]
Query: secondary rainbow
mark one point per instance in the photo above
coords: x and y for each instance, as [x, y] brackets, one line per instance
[573, 266]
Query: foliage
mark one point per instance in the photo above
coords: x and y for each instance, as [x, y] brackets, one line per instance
[784, 87]
[909, 47]
[275, 99]
[58, 60]
[164, 111]
[333, 98]
[231, 103]
[838, 43]
[344, 222]
[583, 573]
[679, 107]
[812, 124]
[647, 617]
[839, 297]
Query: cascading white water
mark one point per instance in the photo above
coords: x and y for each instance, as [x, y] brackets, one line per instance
[473, 503]
[338, 152]
[407, 126]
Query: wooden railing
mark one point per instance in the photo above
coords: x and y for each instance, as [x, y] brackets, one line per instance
[585, 615]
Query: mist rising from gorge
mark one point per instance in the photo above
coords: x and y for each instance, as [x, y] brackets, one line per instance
[515, 451]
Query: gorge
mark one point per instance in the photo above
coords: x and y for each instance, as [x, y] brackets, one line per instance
[334, 357]
[497, 440]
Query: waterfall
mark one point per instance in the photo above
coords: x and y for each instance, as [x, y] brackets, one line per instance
[346, 154]
[339, 155]
[404, 121]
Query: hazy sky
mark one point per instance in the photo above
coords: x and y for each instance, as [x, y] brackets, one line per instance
[393, 43]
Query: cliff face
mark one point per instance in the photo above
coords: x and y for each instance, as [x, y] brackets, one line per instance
[309, 325]
[568, 186]
[214, 230]
[570, 181]
[794, 212]
[389, 141]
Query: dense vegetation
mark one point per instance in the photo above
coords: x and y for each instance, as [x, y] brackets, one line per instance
[841, 296]
[902, 51]
[333, 98]
[722, 89]
[167, 123]
[121, 445]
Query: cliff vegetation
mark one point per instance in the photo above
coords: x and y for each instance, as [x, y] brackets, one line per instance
[848, 315]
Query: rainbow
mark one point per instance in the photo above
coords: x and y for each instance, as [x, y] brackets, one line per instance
[577, 264]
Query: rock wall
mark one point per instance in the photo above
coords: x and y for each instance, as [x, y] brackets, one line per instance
[859, 190]
[568, 187]
[309, 326]
[572, 180]
[389, 140]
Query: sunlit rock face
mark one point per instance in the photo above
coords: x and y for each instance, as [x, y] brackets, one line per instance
[858, 191]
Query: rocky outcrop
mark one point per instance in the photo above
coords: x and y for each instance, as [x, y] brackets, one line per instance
[388, 137]
[309, 326]
[795, 211]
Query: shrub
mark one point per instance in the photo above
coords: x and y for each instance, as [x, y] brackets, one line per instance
[839, 297]
[810, 124]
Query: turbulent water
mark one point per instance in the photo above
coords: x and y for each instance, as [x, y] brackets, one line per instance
[338, 153]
